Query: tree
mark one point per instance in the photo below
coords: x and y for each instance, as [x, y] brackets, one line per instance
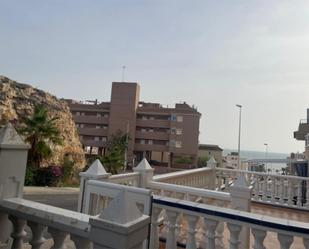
[114, 159]
[40, 132]
[202, 161]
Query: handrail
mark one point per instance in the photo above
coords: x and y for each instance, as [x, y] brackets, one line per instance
[264, 174]
[206, 193]
[179, 174]
[123, 176]
[66, 220]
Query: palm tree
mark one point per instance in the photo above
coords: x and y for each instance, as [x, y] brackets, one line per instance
[40, 132]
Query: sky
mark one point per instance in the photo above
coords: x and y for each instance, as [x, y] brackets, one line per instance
[211, 54]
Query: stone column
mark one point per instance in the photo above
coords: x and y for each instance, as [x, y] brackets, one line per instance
[212, 164]
[120, 225]
[241, 200]
[145, 171]
[95, 172]
[13, 162]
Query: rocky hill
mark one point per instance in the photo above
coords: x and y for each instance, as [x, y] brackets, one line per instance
[18, 100]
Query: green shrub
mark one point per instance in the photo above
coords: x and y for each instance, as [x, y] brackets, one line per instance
[202, 161]
[48, 176]
[183, 160]
[30, 176]
[67, 169]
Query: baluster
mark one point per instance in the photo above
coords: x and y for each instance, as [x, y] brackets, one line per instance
[281, 196]
[154, 236]
[192, 221]
[257, 188]
[58, 237]
[259, 236]
[234, 235]
[265, 183]
[81, 243]
[220, 228]
[171, 242]
[273, 189]
[18, 232]
[290, 192]
[37, 234]
[299, 193]
[219, 184]
[211, 234]
[307, 194]
[226, 183]
[306, 243]
[285, 240]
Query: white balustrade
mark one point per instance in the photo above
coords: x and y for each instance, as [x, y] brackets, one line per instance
[129, 179]
[18, 231]
[283, 190]
[37, 234]
[235, 222]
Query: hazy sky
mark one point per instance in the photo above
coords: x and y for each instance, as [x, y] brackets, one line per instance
[213, 54]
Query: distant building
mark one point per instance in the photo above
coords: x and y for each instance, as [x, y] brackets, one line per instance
[231, 160]
[211, 150]
[161, 134]
[302, 133]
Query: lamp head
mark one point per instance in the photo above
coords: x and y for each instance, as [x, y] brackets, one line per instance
[240, 106]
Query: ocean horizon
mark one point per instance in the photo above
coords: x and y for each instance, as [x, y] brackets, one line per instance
[251, 154]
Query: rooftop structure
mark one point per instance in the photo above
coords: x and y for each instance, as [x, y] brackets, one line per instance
[157, 133]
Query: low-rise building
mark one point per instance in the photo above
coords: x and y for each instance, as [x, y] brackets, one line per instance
[210, 150]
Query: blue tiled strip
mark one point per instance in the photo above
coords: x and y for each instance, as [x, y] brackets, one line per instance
[253, 221]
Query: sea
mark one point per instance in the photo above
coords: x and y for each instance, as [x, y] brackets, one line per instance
[248, 154]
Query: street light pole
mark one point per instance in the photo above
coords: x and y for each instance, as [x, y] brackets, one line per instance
[239, 132]
[266, 154]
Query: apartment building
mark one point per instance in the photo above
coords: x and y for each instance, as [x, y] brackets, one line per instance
[302, 133]
[161, 134]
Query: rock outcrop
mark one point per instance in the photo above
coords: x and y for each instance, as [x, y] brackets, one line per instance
[18, 100]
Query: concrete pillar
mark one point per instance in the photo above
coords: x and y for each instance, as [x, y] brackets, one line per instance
[212, 164]
[146, 173]
[120, 225]
[95, 172]
[241, 193]
[13, 162]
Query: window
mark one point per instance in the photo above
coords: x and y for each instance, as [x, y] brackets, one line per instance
[81, 137]
[150, 142]
[173, 130]
[150, 130]
[144, 118]
[173, 117]
[179, 118]
[97, 126]
[178, 131]
[178, 144]
[142, 141]
[98, 114]
[81, 125]
[104, 127]
[78, 113]
[83, 114]
[172, 143]
[151, 118]
[143, 130]
[96, 139]
[104, 139]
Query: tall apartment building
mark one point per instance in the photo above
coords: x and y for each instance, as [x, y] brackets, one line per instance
[160, 134]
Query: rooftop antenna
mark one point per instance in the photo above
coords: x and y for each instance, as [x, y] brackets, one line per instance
[123, 69]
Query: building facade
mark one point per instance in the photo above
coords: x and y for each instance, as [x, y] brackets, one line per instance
[160, 134]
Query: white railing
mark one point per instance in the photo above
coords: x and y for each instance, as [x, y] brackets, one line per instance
[199, 178]
[189, 193]
[99, 194]
[129, 179]
[202, 226]
[60, 223]
[283, 190]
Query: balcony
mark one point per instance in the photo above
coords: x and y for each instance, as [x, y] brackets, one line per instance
[152, 135]
[150, 147]
[154, 123]
[90, 119]
[303, 130]
[92, 142]
[92, 131]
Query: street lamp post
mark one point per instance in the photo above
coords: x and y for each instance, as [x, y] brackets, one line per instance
[266, 154]
[239, 132]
